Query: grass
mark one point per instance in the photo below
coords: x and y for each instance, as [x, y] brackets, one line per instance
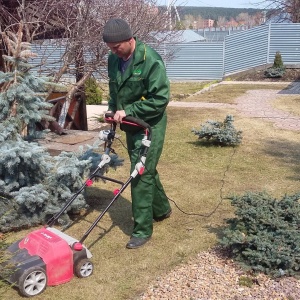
[228, 93]
[288, 104]
[182, 90]
[196, 177]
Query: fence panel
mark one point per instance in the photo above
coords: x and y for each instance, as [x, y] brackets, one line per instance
[285, 38]
[196, 61]
[246, 49]
[239, 51]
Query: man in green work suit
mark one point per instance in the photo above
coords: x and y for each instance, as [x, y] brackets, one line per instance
[139, 87]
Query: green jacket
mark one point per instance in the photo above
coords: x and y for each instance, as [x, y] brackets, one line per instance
[143, 90]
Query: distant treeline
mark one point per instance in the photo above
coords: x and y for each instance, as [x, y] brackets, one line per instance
[215, 12]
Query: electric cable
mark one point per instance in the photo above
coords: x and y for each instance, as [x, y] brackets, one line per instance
[221, 193]
[173, 201]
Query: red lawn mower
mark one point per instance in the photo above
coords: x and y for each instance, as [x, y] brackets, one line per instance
[49, 257]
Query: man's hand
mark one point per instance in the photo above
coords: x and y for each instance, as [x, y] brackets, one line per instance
[119, 115]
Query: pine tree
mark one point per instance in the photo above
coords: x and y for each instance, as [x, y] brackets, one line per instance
[33, 184]
[278, 69]
[278, 63]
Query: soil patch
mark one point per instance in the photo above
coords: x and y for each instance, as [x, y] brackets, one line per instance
[72, 140]
[257, 74]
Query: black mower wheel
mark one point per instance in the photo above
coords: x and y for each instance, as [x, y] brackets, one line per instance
[84, 268]
[32, 282]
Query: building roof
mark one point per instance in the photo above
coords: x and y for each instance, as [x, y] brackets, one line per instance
[180, 36]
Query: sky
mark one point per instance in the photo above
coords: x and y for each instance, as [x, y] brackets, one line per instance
[214, 3]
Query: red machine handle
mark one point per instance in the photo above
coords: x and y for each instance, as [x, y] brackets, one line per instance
[128, 120]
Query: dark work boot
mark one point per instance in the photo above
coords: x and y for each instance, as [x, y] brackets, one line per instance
[136, 242]
[163, 217]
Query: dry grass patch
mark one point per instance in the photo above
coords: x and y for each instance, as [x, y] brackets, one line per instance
[195, 176]
[180, 91]
[288, 103]
[227, 93]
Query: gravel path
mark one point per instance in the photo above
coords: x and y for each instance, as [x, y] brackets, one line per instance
[256, 104]
[211, 275]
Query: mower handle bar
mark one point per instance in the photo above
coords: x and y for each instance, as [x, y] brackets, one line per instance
[131, 121]
[128, 120]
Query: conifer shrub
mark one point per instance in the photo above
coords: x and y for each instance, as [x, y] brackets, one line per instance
[278, 69]
[33, 184]
[265, 234]
[219, 133]
[278, 63]
[92, 92]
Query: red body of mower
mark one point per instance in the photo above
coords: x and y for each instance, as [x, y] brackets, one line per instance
[44, 257]
[49, 257]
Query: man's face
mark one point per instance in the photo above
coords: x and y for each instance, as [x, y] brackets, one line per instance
[121, 49]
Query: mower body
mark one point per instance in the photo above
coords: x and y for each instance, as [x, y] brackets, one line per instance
[46, 257]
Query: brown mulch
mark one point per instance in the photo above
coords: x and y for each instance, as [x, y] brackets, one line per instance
[257, 74]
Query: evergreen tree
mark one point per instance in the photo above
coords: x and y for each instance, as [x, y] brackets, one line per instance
[278, 63]
[278, 69]
[92, 92]
[33, 185]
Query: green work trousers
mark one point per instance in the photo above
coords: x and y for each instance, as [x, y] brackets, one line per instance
[148, 197]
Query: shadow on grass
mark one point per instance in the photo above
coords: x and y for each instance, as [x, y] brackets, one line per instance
[204, 143]
[286, 151]
[218, 231]
[209, 144]
[292, 89]
[120, 213]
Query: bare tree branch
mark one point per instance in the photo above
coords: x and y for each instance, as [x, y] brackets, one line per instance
[284, 10]
[76, 27]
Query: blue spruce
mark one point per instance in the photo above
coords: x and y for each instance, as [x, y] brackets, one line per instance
[33, 184]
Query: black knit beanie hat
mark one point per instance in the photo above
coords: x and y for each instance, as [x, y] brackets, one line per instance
[116, 30]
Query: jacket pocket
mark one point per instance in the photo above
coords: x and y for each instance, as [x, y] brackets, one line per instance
[134, 89]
